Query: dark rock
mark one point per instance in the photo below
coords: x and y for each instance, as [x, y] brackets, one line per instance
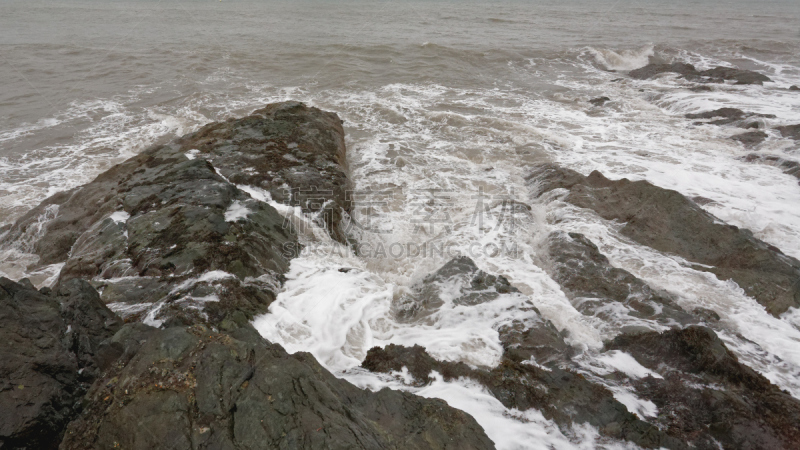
[707, 398]
[708, 315]
[147, 230]
[727, 116]
[461, 275]
[724, 113]
[702, 201]
[52, 350]
[195, 388]
[537, 341]
[669, 222]
[789, 167]
[738, 75]
[751, 138]
[651, 70]
[790, 131]
[561, 395]
[599, 101]
[594, 285]
[688, 71]
[794, 88]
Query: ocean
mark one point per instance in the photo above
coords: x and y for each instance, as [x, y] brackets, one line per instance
[446, 105]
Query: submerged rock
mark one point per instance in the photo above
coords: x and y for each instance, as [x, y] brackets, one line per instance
[563, 396]
[196, 388]
[669, 222]
[751, 138]
[52, 351]
[790, 131]
[599, 101]
[706, 397]
[459, 282]
[688, 71]
[597, 288]
[651, 70]
[726, 116]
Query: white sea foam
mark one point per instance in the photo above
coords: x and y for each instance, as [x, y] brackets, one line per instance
[120, 217]
[236, 212]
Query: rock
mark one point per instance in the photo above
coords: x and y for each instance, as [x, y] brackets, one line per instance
[52, 351]
[740, 76]
[790, 131]
[727, 116]
[597, 288]
[669, 222]
[725, 113]
[599, 101]
[789, 167]
[688, 71]
[794, 88]
[190, 387]
[173, 235]
[651, 70]
[708, 315]
[459, 281]
[706, 398]
[561, 395]
[283, 144]
[702, 201]
[751, 138]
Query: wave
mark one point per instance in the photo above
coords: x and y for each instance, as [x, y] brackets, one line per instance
[627, 59]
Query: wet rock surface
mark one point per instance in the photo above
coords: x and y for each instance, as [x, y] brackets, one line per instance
[168, 236]
[728, 116]
[191, 387]
[599, 101]
[561, 395]
[459, 282]
[688, 71]
[750, 138]
[597, 288]
[788, 166]
[706, 398]
[294, 152]
[790, 131]
[183, 236]
[51, 353]
[669, 222]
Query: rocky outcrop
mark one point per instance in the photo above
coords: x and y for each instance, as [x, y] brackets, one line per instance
[706, 398]
[597, 288]
[561, 395]
[465, 283]
[52, 351]
[186, 236]
[599, 101]
[750, 138]
[688, 71]
[174, 234]
[790, 131]
[728, 116]
[191, 387]
[294, 152]
[669, 222]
